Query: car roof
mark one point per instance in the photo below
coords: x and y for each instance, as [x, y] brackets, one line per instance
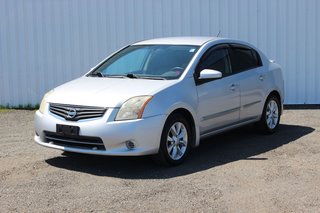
[195, 40]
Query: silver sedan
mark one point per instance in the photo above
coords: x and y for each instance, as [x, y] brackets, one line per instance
[160, 97]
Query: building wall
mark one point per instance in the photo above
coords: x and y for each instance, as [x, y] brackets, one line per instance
[44, 43]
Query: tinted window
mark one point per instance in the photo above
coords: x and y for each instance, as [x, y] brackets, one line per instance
[217, 59]
[257, 58]
[243, 58]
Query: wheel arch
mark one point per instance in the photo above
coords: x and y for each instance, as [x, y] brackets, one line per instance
[192, 122]
[277, 94]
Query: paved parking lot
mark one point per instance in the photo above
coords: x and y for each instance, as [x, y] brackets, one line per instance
[239, 171]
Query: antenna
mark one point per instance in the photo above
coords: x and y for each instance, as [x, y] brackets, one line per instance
[219, 33]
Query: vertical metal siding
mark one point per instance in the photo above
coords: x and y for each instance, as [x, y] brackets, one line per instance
[44, 43]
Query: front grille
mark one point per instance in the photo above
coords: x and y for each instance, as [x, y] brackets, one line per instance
[75, 112]
[83, 142]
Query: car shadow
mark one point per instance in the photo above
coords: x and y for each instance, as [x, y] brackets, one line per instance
[241, 144]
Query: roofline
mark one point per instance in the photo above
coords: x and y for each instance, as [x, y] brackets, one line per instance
[183, 40]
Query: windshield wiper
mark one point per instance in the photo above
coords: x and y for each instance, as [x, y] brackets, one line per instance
[131, 75]
[115, 76]
[96, 74]
[152, 77]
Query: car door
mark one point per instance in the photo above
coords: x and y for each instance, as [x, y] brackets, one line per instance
[218, 99]
[247, 67]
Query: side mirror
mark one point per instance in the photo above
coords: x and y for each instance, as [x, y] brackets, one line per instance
[210, 74]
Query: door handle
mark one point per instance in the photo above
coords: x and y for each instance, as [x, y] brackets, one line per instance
[261, 77]
[233, 87]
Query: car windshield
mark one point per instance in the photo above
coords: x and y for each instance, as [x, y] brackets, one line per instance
[147, 61]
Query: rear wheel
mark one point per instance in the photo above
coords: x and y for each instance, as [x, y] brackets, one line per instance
[175, 141]
[270, 118]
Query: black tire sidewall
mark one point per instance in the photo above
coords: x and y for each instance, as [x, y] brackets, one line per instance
[163, 143]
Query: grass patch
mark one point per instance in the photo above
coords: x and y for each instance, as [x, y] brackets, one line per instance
[5, 110]
[8, 108]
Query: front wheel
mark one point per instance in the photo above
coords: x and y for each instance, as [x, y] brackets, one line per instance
[270, 118]
[175, 141]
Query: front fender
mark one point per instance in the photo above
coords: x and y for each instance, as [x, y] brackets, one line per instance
[182, 95]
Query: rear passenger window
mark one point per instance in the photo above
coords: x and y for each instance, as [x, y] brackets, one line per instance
[243, 58]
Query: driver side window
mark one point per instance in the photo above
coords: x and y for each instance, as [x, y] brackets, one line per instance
[216, 59]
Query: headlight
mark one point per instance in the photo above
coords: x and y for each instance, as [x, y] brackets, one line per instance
[133, 108]
[44, 101]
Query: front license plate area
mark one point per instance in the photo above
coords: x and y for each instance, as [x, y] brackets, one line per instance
[68, 130]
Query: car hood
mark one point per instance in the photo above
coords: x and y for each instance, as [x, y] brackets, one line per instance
[105, 92]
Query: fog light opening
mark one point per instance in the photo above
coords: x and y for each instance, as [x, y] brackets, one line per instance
[130, 145]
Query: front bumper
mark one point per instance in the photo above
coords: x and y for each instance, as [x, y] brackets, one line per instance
[145, 133]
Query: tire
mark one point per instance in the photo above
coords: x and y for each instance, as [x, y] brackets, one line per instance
[175, 141]
[270, 117]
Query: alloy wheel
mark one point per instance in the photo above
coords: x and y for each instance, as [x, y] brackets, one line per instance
[272, 114]
[177, 141]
